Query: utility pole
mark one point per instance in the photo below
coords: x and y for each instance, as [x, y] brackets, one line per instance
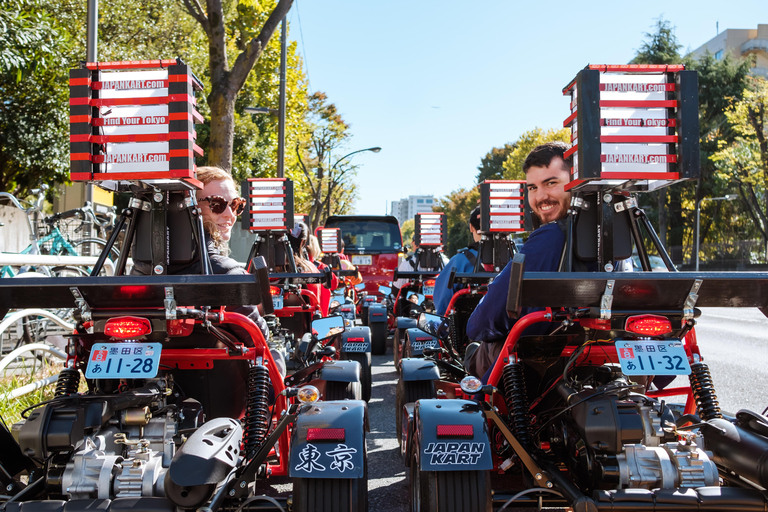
[281, 108]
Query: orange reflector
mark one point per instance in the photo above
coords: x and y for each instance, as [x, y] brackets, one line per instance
[455, 431]
[275, 290]
[325, 434]
[648, 325]
[127, 327]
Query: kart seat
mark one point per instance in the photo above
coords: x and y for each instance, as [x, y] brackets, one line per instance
[585, 232]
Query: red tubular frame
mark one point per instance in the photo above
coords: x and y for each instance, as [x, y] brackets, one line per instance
[463, 291]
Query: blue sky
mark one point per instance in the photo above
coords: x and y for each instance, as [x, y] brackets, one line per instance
[437, 84]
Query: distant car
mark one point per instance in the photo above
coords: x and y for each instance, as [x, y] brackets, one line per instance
[373, 244]
[657, 264]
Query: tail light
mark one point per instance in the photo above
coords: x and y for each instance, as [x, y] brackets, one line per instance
[325, 434]
[126, 327]
[455, 431]
[648, 325]
[275, 290]
[429, 282]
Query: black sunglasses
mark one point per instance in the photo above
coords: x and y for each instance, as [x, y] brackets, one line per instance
[218, 204]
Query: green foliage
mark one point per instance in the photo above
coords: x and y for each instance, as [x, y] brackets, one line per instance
[513, 165]
[744, 161]
[660, 47]
[34, 117]
[491, 165]
[457, 206]
[326, 177]
[407, 228]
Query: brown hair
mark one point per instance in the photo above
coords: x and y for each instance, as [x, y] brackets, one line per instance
[313, 247]
[542, 155]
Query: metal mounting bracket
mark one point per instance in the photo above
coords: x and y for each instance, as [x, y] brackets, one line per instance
[625, 205]
[138, 203]
[170, 304]
[606, 301]
[690, 300]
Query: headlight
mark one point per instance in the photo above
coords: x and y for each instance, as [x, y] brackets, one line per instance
[470, 385]
[308, 394]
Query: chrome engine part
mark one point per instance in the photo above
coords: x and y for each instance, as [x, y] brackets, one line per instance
[114, 463]
[668, 466]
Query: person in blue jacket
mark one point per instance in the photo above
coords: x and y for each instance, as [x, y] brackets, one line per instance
[463, 262]
[547, 171]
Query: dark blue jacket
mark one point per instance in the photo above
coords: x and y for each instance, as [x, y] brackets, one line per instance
[489, 321]
[443, 294]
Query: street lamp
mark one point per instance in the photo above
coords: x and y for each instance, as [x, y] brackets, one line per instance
[727, 197]
[372, 150]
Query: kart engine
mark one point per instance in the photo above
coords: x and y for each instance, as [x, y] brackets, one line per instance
[129, 445]
[615, 439]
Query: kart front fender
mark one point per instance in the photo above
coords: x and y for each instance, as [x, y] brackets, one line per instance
[417, 340]
[356, 339]
[377, 313]
[418, 369]
[340, 371]
[461, 443]
[328, 440]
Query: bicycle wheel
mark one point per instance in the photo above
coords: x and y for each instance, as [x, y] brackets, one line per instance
[94, 247]
[29, 368]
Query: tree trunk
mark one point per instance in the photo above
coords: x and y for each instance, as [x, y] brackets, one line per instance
[222, 129]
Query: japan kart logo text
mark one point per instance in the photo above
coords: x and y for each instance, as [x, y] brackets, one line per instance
[454, 453]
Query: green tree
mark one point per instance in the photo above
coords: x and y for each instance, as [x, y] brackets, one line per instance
[513, 165]
[406, 229]
[33, 116]
[744, 162]
[237, 32]
[329, 183]
[457, 206]
[491, 165]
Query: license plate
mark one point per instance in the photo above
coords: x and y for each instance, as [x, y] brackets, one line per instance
[362, 260]
[653, 357]
[123, 361]
[429, 291]
[277, 302]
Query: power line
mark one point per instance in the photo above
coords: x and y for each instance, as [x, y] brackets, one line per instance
[303, 49]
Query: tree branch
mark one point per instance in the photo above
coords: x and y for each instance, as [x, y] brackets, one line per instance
[246, 60]
[196, 11]
[306, 172]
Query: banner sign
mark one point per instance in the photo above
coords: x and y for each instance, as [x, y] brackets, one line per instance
[430, 228]
[330, 240]
[633, 127]
[502, 206]
[269, 204]
[134, 121]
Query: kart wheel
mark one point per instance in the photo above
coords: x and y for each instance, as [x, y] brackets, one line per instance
[378, 338]
[343, 391]
[364, 358]
[449, 491]
[397, 345]
[332, 494]
[409, 391]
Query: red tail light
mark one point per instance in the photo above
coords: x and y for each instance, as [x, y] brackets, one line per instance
[275, 290]
[455, 431]
[648, 325]
[429, 282]
[126, 327]
[325, 434]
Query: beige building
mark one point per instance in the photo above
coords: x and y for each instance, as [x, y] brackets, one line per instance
[740, 42]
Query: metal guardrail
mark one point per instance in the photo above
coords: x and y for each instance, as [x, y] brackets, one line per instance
[50, 260]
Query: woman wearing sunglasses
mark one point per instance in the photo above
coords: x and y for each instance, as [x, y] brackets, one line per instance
[220, 205]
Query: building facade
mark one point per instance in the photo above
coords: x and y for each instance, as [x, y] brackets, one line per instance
[405, 209]
[740, 42]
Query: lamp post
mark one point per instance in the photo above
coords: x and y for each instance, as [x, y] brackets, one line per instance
[372, 150]
[727, 197]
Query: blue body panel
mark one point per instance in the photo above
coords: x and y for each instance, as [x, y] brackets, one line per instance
[416, 341]
[356, 333]
[377, 313]
[340, 371]
[451, 453]
[339, 458]
[418, 369]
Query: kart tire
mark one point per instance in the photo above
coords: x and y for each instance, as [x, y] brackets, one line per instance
[378, 338]
[343, 391]
[364, 358]
[397, 345]
[332, 494]
[448, 491]
[409, 391]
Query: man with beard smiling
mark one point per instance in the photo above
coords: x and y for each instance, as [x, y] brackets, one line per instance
[547, 172]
